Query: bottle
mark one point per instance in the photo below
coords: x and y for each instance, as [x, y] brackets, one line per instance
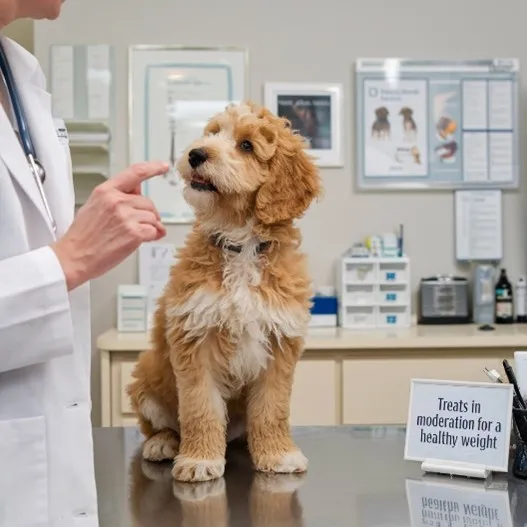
[484, 294]
[503, 296]
[521, 300]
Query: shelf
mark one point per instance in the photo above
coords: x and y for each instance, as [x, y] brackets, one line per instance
[90, 148]
[87, 171]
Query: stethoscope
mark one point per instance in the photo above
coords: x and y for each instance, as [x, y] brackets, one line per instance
[37, 169]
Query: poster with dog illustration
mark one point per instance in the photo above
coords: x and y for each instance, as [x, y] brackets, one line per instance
[395, 128]
[430, 124]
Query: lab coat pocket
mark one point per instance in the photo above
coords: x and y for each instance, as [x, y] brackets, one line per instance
[23, 473]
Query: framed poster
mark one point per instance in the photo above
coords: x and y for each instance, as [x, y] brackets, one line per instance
[429, 124]
[315, 111]
[173, 92]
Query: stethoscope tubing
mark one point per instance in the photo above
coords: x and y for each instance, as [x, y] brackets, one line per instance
[23, 128]
[25, 136]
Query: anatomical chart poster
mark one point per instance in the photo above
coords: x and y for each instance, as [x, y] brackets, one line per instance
[175, 91]
[437, 124]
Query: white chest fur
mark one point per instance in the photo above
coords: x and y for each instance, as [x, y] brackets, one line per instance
[239, 310]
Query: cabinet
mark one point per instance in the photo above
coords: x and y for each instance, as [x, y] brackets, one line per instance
[344, 376]
[374, 292]
[313, 399]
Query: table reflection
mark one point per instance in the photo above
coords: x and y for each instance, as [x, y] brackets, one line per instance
[242, 497]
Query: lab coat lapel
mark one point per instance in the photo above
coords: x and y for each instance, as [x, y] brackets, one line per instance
[15, 160]
[51, 154]
[37, 106]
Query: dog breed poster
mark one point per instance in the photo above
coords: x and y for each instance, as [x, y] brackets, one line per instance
[431, 124]
[395, 121]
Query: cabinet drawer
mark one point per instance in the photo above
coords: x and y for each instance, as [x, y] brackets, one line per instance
[369, 402]
[314, 395]
[121, 376]
[125, 379]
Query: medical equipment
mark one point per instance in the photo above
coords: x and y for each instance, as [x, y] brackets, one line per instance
[444, 300]
[35, 166]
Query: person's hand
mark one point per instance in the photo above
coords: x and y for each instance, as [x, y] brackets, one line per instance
[110, 226]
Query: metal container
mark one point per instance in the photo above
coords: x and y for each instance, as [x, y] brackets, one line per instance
[444, 300]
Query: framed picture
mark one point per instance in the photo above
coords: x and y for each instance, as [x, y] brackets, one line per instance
[426, 124]
[315, 111]
[173, 92]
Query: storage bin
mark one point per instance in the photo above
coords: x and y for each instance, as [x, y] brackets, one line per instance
[374, 292]
[359, 317]
[393, 316]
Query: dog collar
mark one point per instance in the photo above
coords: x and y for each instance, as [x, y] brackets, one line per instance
[216, 240]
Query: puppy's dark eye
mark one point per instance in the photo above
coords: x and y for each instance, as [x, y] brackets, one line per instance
[246, 146]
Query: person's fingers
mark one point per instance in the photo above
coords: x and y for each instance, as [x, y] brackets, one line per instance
[160, 235]
[149, 233]
[142, 203]
[147, 217]
[130, 179]
[144, 216]
[162, 232]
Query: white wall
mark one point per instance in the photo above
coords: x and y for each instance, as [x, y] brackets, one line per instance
[22, 31]
[299, 40]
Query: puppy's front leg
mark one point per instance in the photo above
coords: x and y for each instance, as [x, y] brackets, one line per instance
[270, 443]
[202, 416]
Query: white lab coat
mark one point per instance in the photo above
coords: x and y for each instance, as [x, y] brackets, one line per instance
[46, 451]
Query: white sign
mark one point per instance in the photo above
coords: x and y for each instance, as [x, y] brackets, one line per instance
[465, 423]
[452, 505]
[479, 225]
[155, 261]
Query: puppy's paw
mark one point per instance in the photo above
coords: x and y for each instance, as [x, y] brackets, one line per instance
[198, 491]
[279, 483]
[192, 470]
[156, 471]
[285, 463]
[161, 447]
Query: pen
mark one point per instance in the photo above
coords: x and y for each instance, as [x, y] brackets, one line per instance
[512, 379]
[519, 420]
[493, 375]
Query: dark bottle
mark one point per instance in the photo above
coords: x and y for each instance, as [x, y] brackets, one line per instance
[503, 296]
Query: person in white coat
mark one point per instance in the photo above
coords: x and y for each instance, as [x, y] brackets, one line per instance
[46, 452]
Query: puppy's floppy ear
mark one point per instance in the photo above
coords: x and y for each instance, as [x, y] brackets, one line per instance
[293, 182]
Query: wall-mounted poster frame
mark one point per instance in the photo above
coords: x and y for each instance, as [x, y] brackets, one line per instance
[437, 124]
[315, 112]
[173, 92]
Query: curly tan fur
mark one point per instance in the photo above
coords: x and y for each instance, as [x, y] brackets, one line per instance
[229, 327]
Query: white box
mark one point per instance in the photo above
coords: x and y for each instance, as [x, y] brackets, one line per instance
[132, 310]
[323, 321]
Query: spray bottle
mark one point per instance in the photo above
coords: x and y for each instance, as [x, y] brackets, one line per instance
[521, 300]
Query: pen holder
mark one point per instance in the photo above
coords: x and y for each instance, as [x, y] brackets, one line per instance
[519, 467]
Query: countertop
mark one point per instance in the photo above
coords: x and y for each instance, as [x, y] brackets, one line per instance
[357, 477]
[415, 337]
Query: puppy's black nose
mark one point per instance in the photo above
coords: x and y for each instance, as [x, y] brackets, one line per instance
[196, 157]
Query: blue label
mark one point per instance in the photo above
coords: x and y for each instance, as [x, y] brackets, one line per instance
[391, 275]
[391, 319]
[391, 297]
